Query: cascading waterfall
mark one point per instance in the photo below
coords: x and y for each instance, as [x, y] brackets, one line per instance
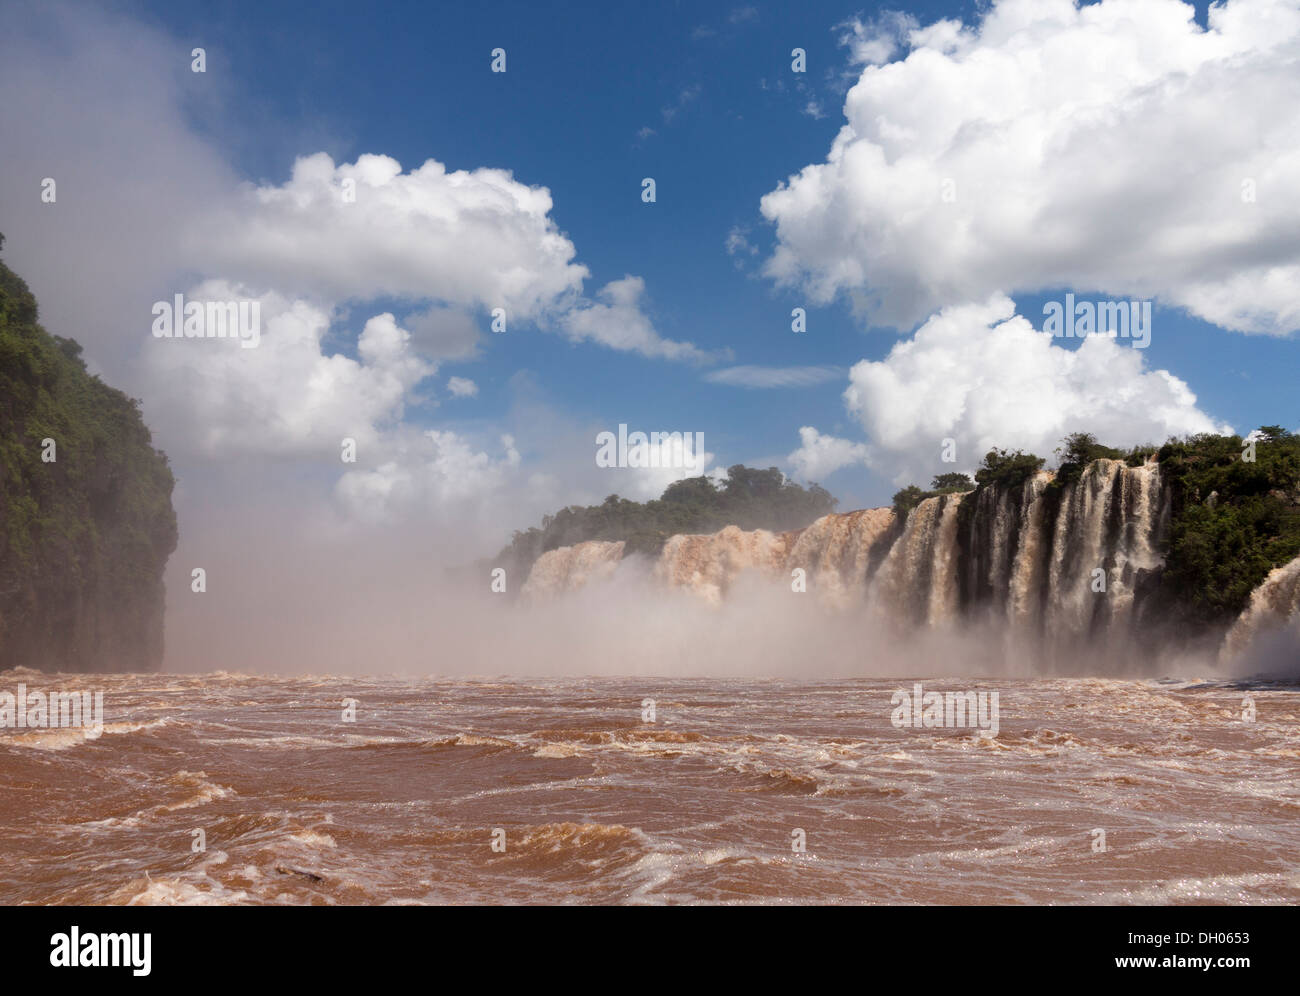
[918, 583]
[709, 564]
[1003, 550]
[836, 552]
[1111, 519]
[1025, 583]
[944, 596]
[1272, 605]
[990, 545]
[1143, 516]
[1078, 548]
[1027, 555]
[569, 568]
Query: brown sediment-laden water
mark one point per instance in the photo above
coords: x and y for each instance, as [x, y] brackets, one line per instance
[232, 788]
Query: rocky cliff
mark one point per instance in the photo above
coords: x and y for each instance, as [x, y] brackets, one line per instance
[86, 520]
[1103, 560]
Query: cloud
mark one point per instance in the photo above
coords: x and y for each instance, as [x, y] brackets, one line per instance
[819, 456]
[432, 467]
[738, 244]
[471, 238]
[288, 396]
[686, 96]
[79, 80]
[753, 376]
[462, 387]
[618, 322]
[679, 459]
[1115, 148]
[876, 41]
[467, 239]
[983, 376]
[443, 333]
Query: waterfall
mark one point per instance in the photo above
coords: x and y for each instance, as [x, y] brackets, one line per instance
[918, 582]
[1113, 518]
[1026, 556]
[1025, 584]
[1272, 604]
[1003, 549]
[708, 564]
[1078, 548]
[836, 552]
[1143, 514]
[569, 568]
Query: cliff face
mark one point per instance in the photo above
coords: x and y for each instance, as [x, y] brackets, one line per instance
[1273, 605]
[569, 568]
[1065, 567]
[86, 523]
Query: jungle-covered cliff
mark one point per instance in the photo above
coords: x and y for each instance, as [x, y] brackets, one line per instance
[86, 519]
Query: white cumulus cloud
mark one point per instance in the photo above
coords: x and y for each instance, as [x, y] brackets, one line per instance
[439, 468]
[617, 321]
[1113, 147]
[819, 455]
[289, 395]
[983, 376]
[472, 238]
[462, 387]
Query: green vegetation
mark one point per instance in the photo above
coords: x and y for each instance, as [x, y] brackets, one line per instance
[949, 483]
[1007, 468]
[749, 498]
[943, 484]
[1233, 520]
[83, 537]
[1079, 449]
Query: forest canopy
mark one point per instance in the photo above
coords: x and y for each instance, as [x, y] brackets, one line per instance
[748, 498]
[86, 519]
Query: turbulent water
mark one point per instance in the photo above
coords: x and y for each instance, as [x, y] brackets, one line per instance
[917, 583]
[570, 568]
[599, 806]
[1065, 573]
[680, 789]
[709, 564]
[1274, 607]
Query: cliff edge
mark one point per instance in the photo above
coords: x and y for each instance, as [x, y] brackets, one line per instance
[86, 519]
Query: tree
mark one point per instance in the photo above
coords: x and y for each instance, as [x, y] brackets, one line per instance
[907, 499]
[750, 499]
[690, 489]
[1008, 468]
[952, 482]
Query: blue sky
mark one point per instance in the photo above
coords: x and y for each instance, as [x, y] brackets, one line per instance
[701, 97]
[568, 115]
[713, 82]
